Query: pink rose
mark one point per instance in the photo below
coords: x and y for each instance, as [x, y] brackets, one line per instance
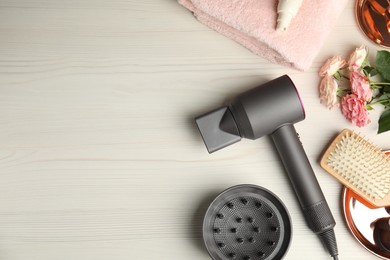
[357, 58]
[332, 66]
[328, 92]
[354, 109]
[360, 85]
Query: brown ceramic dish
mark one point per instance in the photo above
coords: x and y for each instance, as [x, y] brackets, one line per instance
[373, 17]
[360, 217]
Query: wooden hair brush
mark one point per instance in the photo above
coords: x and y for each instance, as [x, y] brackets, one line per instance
[360, 166]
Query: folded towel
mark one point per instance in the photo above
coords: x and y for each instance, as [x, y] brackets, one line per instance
[252, 23]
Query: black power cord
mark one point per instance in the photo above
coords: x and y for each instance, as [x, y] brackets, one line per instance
[328, 238]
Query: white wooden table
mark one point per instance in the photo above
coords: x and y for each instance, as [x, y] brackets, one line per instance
[99, 154]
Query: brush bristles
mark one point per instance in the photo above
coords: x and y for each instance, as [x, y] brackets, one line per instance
[362, 166]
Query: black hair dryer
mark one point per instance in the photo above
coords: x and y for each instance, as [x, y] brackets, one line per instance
[272, 109]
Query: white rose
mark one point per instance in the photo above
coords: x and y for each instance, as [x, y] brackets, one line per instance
[328, 92]
[357, 58]
[332, 66]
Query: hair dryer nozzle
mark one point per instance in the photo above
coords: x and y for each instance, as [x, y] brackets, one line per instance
[218, 129]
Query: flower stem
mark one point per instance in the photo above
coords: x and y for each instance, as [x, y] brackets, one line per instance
[380, 101]
[379, 83]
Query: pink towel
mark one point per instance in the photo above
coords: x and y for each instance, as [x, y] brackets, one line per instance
[252, 23]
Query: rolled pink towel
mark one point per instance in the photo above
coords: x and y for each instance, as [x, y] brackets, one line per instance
[252, 23]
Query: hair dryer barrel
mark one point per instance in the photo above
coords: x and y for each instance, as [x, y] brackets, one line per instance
[262, 110]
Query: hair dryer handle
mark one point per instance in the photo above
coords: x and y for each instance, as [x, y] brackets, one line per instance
[303, 179]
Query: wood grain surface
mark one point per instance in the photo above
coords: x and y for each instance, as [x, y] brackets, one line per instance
[99, 154]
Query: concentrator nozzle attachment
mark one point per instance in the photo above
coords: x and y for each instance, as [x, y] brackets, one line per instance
[218, 129]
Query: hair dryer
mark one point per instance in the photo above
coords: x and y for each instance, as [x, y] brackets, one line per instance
[272, 109]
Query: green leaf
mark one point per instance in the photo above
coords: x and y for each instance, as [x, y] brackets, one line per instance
[384, 122]
[384, 96]
[386, 89]
[337, 75]
[384, 99]
[383, 64]
[369, 71]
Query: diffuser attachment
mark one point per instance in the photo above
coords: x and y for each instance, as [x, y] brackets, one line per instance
[247, 222]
